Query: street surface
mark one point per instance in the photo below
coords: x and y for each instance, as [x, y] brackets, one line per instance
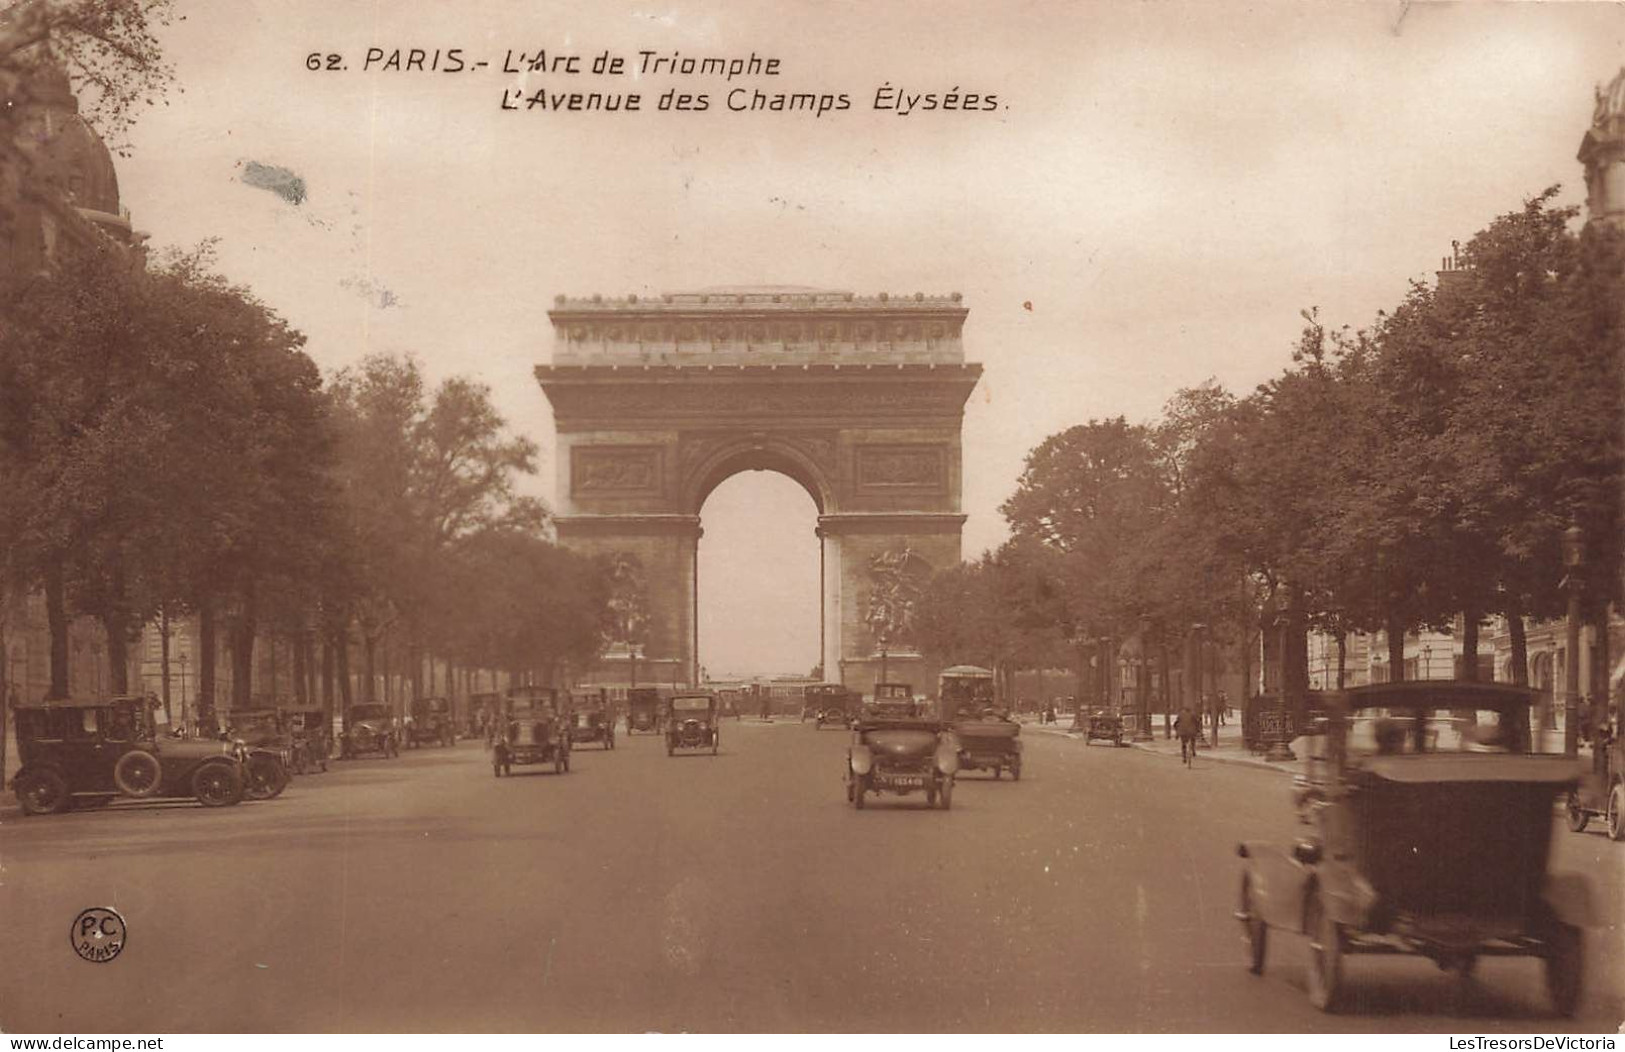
[699, 893]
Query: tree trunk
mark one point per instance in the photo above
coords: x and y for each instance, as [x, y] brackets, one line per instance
[207, 651]
[1395, 631]
[56, 616]
[1469, 645]
[341, 656]
[369, 668]
[243, 630]
[1342, 659]
[163, 657]
[1164, 666]
[301, 693]
[1601, 656]
[1520, 643]
[327, 674]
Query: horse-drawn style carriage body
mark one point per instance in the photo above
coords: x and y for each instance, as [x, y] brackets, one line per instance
[533, 728]
[591, 719]
[1431, 836]
[989, 740]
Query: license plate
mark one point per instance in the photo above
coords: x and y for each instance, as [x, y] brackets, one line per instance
[906, 779]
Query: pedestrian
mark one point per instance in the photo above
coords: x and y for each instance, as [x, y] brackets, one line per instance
[1189, 727]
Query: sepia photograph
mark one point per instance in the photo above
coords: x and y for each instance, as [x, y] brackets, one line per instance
[609, 517]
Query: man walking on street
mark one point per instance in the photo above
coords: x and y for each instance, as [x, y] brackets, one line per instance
[1189, 728]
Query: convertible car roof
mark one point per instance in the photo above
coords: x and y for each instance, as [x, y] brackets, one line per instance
[1435, 693]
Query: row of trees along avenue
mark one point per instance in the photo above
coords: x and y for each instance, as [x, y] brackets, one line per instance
[168, 450]
[1391, 478]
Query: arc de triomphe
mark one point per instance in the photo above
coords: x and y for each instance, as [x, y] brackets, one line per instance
[859, 399]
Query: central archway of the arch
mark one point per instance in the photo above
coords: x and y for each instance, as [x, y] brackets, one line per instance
[859, 399]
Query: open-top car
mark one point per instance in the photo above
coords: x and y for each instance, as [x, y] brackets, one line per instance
[268, 749]
[591, 718]
[533, 729]
[989, 740]
[902, 756]
[643, 710]
[312, 731]
[1104, 726]
[691, 721]
[830, 705]
[85, 753]
[431, 723]
[369, 727]
[1431, 830]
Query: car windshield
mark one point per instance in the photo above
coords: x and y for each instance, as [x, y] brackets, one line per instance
[1404, 732]
[369, 712]
[691, 704]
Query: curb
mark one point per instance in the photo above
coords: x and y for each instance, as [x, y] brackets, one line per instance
[1209, 754]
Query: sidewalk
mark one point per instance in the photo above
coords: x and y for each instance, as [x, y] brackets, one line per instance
[1229, 750]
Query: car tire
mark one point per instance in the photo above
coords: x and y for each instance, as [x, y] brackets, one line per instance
[1577, 815]
[496, 770]
[138, 773]
[1324, 968]
[860, 789]
[1015, 770]
[931, 795]
[1616, 812]
[43, 792]
[1257, 932]
[266, 778]
[213, 785]
[945, 796]
[1565, 964]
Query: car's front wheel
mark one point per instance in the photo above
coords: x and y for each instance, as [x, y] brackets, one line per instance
[946, 795]
[266, 778]
[42, 792]
[1565, 960]
[217, 785]
[137, 773]
[1616, 812]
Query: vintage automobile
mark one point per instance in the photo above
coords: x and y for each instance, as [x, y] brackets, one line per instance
[431, 723]
[902, 756]
[369, 727]
[86, 753]
[1601, 792]
[1104, 726]
[643, 710]
[591, 718]
[312, 731]
[1430, 835]
[989, 740]
[533, 729]
[830, 704]
[691, 722]
[268, 750]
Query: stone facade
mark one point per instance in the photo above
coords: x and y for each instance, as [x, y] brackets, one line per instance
[858, 399]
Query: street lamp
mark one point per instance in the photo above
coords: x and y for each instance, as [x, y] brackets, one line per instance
[1573, 585]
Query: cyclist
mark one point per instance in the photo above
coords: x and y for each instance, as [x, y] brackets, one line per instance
[1189, 728]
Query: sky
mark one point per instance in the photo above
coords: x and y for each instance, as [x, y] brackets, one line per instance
[1159, 191]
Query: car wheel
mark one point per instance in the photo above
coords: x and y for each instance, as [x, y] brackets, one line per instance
[496, 770]
[1565, 959]
[998, 772]
[1015, 770]
[214, 786]
[1257, 933]
[266, 779]
[1578, 816]
[931, 795]
[946, 795]
[1616, 812]
[137, 774]
[567, 761]
[42, 792]
[860, 789]
[1325, 966]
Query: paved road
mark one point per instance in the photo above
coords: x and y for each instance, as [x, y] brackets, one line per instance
[730, 893]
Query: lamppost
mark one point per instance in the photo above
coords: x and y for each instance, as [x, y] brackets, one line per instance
[1573, 585]
[186, 702]
[1426, 671]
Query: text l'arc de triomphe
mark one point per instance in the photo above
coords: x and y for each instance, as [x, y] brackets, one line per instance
[859, 399]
